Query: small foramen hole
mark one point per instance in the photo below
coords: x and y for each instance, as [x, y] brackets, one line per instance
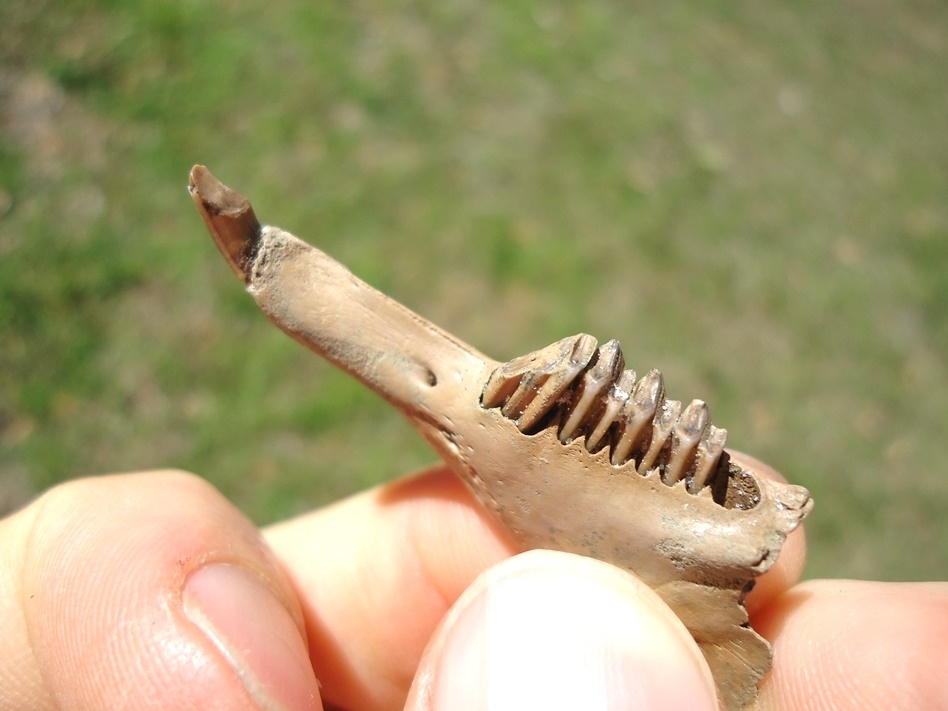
[432, 378]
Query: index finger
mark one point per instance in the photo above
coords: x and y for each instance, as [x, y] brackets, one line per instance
[375, 573]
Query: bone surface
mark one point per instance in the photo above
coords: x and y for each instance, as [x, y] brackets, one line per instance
[564, 447]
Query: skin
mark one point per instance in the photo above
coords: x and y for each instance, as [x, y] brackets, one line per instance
[104, 583]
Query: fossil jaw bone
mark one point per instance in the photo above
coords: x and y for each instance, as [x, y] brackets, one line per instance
[562, 446]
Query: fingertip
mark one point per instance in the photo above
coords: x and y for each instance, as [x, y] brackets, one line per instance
[556, 631]
[376, 572]
[847, 644]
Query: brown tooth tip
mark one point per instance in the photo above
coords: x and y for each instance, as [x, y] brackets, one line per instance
[229, 218]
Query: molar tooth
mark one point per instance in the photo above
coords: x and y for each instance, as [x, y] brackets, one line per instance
[646, 398]
[661, 431]
[709, 454]
[499, 388]
[595, 381]
[505, 381]
[615, 402]
[686, 436]
[559, 375]
[522, 381]
[527, 388]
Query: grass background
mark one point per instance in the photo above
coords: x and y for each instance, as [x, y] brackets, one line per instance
[751, 196]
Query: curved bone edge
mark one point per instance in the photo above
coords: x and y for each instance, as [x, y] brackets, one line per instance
[543, 493]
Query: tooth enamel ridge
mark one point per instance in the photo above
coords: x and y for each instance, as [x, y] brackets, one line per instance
[583, 392]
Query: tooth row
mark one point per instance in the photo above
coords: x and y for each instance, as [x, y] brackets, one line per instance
[602, 402]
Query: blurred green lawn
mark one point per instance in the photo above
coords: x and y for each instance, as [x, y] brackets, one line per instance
[751, 196]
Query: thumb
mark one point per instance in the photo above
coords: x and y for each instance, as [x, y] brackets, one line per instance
[557, 631]
[146, 591]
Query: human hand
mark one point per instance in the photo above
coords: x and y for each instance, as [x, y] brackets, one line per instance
[151, 590]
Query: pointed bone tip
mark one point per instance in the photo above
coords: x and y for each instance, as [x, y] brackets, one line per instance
[229, 218]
